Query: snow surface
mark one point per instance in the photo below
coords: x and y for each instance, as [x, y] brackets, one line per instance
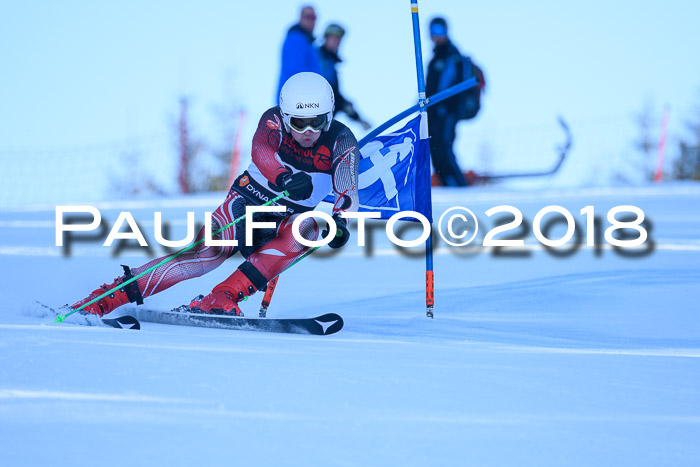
[532, 359]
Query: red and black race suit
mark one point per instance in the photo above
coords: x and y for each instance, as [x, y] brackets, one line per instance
[331, 163]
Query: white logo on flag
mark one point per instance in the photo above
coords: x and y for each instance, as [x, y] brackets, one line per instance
[383, 159]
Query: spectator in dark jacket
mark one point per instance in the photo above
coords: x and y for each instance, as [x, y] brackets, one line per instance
[444, 70]
[298, 51]
[329, 60]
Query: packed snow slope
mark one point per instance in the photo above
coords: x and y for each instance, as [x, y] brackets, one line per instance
[582, 356]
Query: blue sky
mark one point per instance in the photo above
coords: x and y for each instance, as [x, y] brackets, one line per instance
[83, 75]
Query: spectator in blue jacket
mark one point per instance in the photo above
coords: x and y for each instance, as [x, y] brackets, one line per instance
[298, 51]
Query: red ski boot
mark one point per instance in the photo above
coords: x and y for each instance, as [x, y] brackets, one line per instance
[107, 304]
[128, 293]
[225, 296]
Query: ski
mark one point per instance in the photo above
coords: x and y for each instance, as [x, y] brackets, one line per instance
[323, 325]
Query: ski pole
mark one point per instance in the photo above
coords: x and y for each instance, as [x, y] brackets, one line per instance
[61, 318]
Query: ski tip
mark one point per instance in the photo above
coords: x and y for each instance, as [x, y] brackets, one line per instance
[330, 323]
[59, 319]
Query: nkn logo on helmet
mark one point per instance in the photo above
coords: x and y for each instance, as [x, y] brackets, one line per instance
[312, 105]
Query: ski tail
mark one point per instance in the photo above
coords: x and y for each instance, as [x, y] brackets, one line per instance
[123, 322]
[83, 319]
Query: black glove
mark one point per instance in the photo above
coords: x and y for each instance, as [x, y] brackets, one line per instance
[342, 234]
[298, 185]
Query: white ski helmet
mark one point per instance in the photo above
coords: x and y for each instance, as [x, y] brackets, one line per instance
[307, 102]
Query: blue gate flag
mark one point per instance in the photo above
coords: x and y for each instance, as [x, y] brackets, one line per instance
[394, 173]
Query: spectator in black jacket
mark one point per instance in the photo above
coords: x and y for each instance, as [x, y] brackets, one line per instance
[444, 70]
[329, 59]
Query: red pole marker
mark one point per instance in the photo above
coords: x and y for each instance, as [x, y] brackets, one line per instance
[268, 296]
[429, 293]
[659, 173]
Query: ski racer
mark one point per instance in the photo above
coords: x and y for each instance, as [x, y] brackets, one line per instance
[297, 147]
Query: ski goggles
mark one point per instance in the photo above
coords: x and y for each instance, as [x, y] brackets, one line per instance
[315, 124]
